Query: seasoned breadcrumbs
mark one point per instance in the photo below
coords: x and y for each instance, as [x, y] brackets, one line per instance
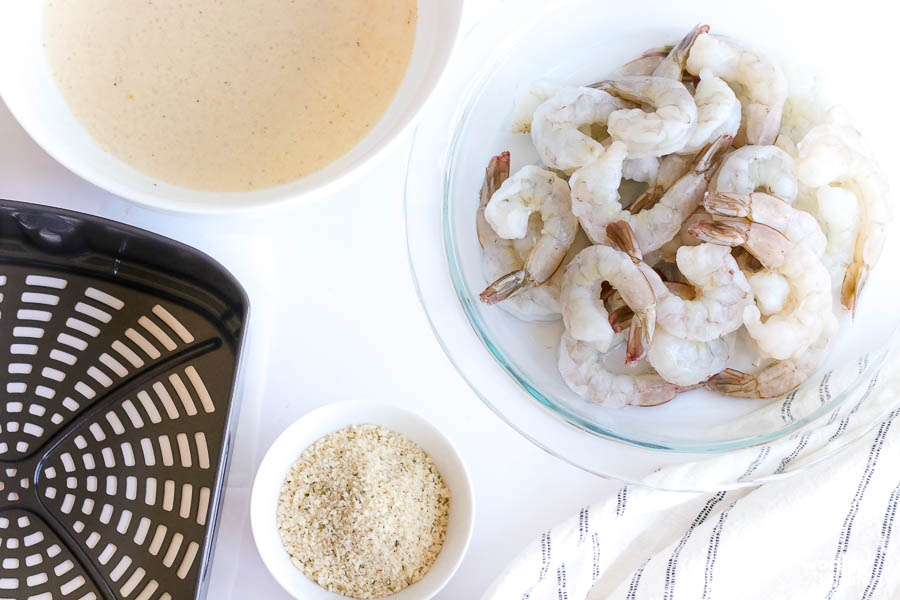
[363, 512]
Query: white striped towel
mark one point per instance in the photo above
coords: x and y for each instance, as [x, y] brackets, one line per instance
[822, 533]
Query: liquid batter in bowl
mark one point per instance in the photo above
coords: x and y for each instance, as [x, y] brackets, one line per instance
[229, 95]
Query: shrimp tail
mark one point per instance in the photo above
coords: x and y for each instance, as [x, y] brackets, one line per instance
[724, 233]
[681, 50]
[709, 157]
[764, 246]
[658, 51]
[734, 383]
[854, 280]
[620, 319]
[621, 237]
[506, 286]
[657, 398]
[640, 334]
[727, 204]
[495, 174]
[646, 200]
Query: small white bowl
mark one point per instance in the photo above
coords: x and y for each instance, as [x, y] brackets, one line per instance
[32, 96]
[318, 423]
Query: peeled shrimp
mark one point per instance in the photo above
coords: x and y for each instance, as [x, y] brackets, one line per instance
[763, 86]
[808, 310]
[758, 168]
[686, 363]
[781, 377]
[722, 295]
[657, 133]
[759, 207]
[556, 128]
[595, 197]
[583, 311]
[527, 102]
[718, 112]
[582, 367]
[834, 154]
[502, 256]
[508, 212]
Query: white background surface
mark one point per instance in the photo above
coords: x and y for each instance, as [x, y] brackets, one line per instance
[334, 317]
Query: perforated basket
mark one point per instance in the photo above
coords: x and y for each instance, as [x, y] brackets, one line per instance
[120, 351]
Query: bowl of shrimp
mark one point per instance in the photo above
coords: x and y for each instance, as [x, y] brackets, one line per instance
[664, 235]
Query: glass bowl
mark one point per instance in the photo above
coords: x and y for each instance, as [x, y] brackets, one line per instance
[511, 364]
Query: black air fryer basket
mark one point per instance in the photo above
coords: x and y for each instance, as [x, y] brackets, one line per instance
[121, 350]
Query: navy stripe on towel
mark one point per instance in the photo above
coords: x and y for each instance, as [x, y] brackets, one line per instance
[847, 527]
[669, 590]
[545, 563]
[621, 498]
[561, 593]
[880, 552]
[635, 581]
[583, 523]
[713, 551]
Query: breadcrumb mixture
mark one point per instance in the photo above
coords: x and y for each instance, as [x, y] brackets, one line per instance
[363, 512]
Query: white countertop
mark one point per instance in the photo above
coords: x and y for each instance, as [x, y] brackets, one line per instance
[334, 317]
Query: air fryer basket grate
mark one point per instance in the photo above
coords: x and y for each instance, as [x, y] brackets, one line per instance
[120, 351]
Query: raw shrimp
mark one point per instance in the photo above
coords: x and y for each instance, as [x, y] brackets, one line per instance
[722, 295]
[808, 310]
[779, 378]
[763, 86]
[582, 367]
[508, 212]
[759, 207]
[686, 363]
[677, 360]
[758, 168]
[595, 197]
[672, 66]
[584, 313]
[718, 112]
[838, 211]
[834, 154]
[671, 168]
[527, 102]
[657, 133]
[502, 256]
[558, 124]
[713, 308]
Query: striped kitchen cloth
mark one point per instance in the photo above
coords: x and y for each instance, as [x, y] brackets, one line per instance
[822, 533]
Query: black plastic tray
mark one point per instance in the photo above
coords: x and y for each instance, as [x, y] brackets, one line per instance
[121, 350]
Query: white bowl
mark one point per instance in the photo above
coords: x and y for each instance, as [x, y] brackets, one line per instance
[30, 91]
[318, 423]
